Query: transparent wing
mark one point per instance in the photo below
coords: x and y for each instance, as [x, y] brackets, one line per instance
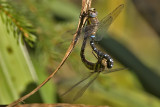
[107, 21]
[113, 70]
[102, 26]
[85, 78]
[83, 89]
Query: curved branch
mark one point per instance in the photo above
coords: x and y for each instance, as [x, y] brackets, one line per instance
[85, 6]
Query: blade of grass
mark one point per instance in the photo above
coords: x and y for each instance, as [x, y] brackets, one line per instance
[148, 78]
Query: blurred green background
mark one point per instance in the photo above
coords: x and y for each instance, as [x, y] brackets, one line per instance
[133, 43]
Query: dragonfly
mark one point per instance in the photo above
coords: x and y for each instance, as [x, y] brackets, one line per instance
[104, 61]
[95, 27]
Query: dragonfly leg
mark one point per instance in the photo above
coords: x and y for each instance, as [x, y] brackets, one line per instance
[94, 54]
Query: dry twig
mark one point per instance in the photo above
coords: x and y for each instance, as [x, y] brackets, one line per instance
[85, 6]
[57, 105]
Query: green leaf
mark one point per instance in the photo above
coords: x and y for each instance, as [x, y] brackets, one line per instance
[14, 70]
[17, 74]
[147, 76]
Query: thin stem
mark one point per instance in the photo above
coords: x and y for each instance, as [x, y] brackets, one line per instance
[82, 21]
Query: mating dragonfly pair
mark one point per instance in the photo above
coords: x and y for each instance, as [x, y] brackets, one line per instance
[104, 61]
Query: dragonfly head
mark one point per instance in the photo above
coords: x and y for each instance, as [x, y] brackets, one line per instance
[92, 12]
[106, 63]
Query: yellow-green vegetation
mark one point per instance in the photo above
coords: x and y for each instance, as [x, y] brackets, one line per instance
[132, 43]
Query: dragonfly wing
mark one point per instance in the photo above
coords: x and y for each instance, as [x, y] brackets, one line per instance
[113, 70]
[85, 78]
[101, 31]
[83, 89]
[105, 23]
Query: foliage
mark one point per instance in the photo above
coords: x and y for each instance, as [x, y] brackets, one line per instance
[51, 19]
[18, 75]
[20, 26]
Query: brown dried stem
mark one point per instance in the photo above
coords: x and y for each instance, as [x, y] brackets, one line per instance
[85, 6]
[57, 105]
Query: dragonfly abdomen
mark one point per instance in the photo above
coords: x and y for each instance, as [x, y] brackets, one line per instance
[100, 53]
[87, 63]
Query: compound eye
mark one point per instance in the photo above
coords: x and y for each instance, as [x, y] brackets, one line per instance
[93, 15]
